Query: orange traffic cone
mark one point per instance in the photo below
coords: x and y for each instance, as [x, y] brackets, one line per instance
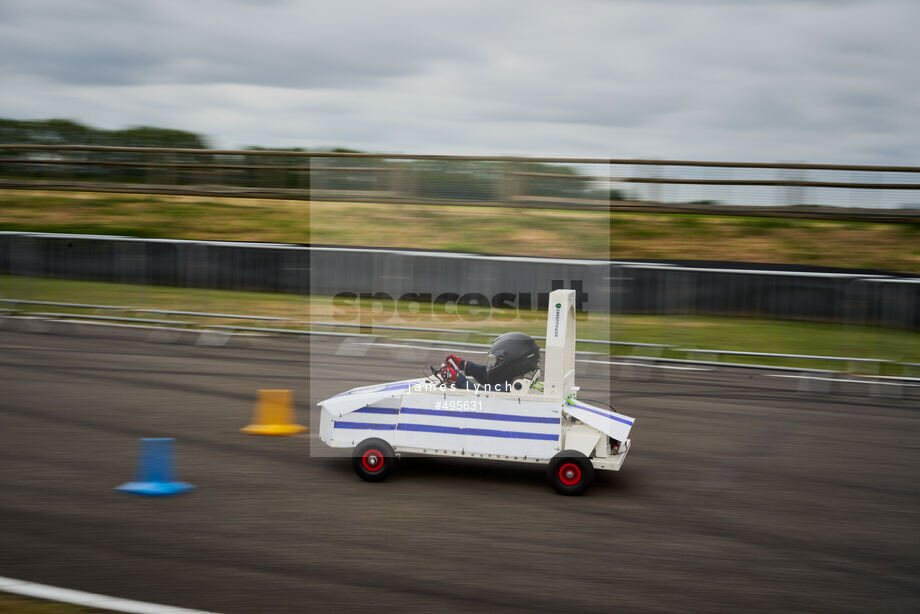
[274, 415]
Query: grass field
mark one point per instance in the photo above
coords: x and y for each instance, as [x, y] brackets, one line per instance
[741, 334]
[576, 234]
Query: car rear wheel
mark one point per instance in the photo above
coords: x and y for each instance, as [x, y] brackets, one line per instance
[570, 472]
[373, 459]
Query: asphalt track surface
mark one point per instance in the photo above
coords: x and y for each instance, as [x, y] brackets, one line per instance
[739, 494]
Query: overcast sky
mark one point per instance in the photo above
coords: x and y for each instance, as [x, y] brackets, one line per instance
[820, 81]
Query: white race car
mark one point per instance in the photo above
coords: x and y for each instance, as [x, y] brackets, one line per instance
[532, 424]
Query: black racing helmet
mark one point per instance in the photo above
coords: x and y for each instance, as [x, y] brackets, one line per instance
[512, 355]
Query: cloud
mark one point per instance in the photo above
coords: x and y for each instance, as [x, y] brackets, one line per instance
[166, 42]
[822, 81]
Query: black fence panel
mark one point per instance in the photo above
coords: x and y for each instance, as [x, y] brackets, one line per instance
[506, 281]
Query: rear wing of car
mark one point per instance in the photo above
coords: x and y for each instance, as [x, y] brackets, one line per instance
[607, 421]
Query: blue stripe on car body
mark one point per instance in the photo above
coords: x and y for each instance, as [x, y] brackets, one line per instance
[599, 412]
[457, 430]
[364, 426]
[478, 415]
[386, 388]
[377, 410]
[445, 430]
[449, 413]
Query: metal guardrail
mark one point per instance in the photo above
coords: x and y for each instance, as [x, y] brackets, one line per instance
[516, 181]
[877, 362]
[471, 158]
[368, 328]
[740, 365]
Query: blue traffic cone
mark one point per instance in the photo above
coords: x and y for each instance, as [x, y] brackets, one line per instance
[155, 470]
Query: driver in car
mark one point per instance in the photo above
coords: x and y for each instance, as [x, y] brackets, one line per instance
[511, 356]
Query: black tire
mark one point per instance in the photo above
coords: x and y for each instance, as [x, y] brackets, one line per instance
[570, 472]
[373, 459]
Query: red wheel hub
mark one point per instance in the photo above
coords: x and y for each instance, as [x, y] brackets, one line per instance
[372, 460]
[570, 474]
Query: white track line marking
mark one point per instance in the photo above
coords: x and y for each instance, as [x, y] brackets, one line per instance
[92, 600]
